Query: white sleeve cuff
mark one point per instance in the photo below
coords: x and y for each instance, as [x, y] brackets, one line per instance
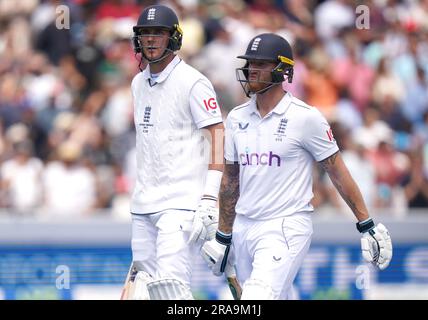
[212, 183]
[209, 122]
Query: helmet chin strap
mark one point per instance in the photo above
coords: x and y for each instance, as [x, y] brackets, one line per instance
[262, 91]
[165, 54]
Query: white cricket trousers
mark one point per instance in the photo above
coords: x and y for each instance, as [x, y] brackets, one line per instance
[159, 243]
[272, 251]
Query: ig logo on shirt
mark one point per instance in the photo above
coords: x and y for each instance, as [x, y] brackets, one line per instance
[330, 135]
[210, 105]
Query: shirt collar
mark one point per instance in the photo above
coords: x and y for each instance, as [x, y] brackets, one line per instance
[282, 106]
[279, 109]
[165, 73]
[253, 105]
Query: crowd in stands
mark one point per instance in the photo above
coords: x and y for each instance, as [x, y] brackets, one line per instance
[66, 116]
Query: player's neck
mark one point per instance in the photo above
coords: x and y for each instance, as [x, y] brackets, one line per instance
[158, 67]
[268, 100]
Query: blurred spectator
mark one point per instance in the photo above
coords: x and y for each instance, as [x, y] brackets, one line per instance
[117, 9]
[18, 37]
[193, 28]
[387, 85]
[392, 115]
[415, 183]
[42, 86]
[61, 128]
[74, 81]
[405, 65]
[86, 129]
[373, 129]
[12, 99]
[320, 89]
[43, 14]
[352, 73]
[415, 103]
[20, 179]
[346, 112]
[333, 15]
[70, 188]
[16, 133]
[264, 14]
[38, 136]
[88, 56]
[375, 50]
[236, 23]
[53, 41]
[99, 159]
[115, 19]
[394, 40]
[299, 12]
[12, 8]
[390, 166]
[420, 131]
[117, 114]
[44, 120]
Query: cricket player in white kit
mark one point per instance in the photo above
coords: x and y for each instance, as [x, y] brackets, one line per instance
[173, 205]
[271, 142]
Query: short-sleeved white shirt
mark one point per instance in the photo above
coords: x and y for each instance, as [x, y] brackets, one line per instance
[276, 155]
[172, 156]
[24, 182]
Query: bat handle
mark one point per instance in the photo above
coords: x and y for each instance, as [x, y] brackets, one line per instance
[235, 287]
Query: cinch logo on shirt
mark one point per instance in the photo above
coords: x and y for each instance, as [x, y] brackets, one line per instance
[264, 159]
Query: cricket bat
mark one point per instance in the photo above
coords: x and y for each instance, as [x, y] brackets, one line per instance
[235, 287]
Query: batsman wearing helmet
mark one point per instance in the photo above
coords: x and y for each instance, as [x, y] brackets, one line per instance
[271, 142]
[177, 120]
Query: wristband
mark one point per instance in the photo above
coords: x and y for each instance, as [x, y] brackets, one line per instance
[223, 238]
[212, 185]
[365, 225]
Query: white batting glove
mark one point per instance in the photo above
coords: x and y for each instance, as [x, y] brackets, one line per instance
[205, 221]
[209, 213]
[216, 253]
[376, 244]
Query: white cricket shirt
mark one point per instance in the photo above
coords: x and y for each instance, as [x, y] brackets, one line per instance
[172, 156]
[276, 155]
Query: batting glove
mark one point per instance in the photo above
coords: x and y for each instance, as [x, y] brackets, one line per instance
[205, 222]
[376, 243]
[216, 252]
